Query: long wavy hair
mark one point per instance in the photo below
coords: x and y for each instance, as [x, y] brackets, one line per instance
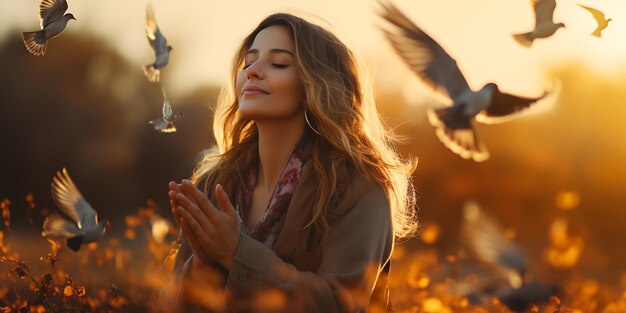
[339, 108]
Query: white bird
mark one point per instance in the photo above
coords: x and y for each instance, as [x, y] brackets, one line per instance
[602, 21]
[165, 124]
[52, 21]
[159, 45]
[83, 226]
[544, 23]
[437, 69]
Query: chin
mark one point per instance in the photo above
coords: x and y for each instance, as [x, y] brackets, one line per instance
[250, 114]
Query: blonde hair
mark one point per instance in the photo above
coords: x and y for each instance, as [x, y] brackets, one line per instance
[350, 129]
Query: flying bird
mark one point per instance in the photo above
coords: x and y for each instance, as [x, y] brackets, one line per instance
[165, 124]
[83, 226]
[602, 21]
[52, 21]
[438, 70]
[509, 278]
[544, 23]
[487, 241]
[159, 45]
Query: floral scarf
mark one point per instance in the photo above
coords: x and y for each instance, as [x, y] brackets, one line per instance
[271, 222]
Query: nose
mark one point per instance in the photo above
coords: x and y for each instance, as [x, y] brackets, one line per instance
[253, 71]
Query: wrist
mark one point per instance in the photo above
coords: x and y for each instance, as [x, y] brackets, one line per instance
[229, 260]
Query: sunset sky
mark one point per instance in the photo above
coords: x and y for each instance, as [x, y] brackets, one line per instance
[476, 33]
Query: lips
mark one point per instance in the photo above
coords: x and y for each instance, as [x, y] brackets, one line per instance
[253, 90]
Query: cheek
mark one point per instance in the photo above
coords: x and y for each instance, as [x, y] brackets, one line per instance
[291, 92]
[239, 83]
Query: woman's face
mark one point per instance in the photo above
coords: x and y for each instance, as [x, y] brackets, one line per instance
[268, 88]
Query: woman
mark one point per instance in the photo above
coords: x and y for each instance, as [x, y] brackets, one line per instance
[300, 209]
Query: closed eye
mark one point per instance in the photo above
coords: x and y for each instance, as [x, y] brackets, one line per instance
[273, 64]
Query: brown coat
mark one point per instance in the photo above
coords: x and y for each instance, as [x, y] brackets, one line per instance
[303, 272]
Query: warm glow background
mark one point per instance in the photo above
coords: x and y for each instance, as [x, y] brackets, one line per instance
[85, 105]
[205, 34]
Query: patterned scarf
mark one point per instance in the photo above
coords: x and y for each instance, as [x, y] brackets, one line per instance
[271, 222]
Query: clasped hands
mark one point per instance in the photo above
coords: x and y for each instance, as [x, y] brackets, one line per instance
[212, 232]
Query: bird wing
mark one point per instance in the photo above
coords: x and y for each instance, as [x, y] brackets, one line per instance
[154, 35]
[544, 11]
[51, 10]
[598, 15]
[504, 107]
[423, 54]
[167, 108]
[71, 201]
[487, 241]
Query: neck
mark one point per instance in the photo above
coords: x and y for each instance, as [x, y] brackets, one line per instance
[276, 141]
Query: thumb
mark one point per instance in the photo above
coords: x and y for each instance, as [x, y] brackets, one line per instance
[224, 202]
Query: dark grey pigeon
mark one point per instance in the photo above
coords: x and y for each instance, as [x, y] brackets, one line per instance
[437, 69]
[52, 22]
[508, 277]
[83, 226]
[159, 45]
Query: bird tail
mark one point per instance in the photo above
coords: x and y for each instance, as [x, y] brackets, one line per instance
[35, 42]
[455, 131]
[525, 39]
[55, 225]
[152, 73]
[597, 33]
[75, 242]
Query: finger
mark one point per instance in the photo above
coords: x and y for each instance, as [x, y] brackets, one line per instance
[177, 215]
[193, 224]
[192, 208]
[193, 242]
[174, 186]
[200, 198]
[173, 201]
[201, 237]
[223, 201]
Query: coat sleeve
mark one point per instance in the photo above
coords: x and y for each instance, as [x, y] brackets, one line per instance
[360, 243]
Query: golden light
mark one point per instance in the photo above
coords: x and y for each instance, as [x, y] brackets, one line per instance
[92, 246]
[160, 227]
[133, 221]
[423, 282]
[510, 233]
[567, 199]
[434, 305]
[558, 233]
[565, 250]
[129, 234]
[430, 233]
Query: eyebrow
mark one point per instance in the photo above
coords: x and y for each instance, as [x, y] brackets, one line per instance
[275, 50]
